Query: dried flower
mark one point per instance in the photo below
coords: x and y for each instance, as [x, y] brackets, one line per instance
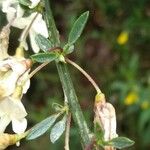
[105, 116]
[4, 41]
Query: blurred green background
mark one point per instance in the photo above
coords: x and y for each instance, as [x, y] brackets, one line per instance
[114, 50]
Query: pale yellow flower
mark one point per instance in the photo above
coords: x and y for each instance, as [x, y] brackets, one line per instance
[131, 98]
[145, 105]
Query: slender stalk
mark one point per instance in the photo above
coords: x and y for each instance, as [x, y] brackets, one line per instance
[26, 30]
[37, 69]
[67, 132]
[66, 81]
[85, 74]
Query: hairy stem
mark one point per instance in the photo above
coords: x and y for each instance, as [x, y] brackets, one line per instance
[66, 81]
[67, 132]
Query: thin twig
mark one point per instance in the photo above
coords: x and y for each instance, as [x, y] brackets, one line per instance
[26, 30]
[67, 132]
[37, 69]
[34, 72]
[85, 74]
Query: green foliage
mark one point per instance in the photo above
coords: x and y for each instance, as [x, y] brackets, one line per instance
[121, 142]
[111, 64]
[43, 43]
[99, 133]
[77, 28]
[58, 130]
[68, 49]
[44, 57]
[40, 128]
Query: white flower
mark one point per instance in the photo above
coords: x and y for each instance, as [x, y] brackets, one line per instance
[38, 27]
[34, 3]
[12, 9]
[13, 74]
[15, 15]
[12, 110]
[11, 70]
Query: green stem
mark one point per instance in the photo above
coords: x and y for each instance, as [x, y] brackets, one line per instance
[66, 81]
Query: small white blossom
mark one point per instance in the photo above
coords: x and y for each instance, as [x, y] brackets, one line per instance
[11, 69]
[13, 84]
[12, 110]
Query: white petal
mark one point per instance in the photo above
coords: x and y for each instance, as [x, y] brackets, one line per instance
[26, 87]
[12, 108]
[34, 46]
[17, 111]
[39, 23]
[20, 11]
[4, 121]
[22, 79]
[8, 84]
[19, 23]
[11, 14]
[34, 3]
[17, 66]
[19, 126]
[9, 7]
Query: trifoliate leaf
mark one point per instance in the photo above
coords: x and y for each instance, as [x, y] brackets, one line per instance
[40, 128]
[43, 43]
[58, 130]
[121, 142]
[77, 28]
[44, 57]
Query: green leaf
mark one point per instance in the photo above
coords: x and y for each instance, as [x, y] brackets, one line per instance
[121, 142]
[99, 133]
[68, 49]
[77, 28]
[40, 128]
[25, 2]
[58, 130]
[44, 57]
[43, 43]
